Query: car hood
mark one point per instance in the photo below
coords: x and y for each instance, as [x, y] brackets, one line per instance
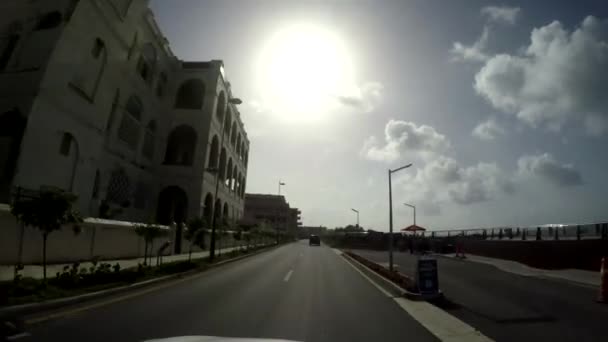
[215, 339]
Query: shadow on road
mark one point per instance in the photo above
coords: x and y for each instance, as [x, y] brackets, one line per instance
[449, 305]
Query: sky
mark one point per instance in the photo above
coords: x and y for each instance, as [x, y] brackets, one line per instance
[501, 106]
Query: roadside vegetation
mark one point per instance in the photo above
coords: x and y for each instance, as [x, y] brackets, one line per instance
[75, 279]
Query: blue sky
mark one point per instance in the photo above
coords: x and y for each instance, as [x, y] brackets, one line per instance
[501, 106]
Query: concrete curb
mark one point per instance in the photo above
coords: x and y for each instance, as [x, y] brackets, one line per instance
[33, 308]
[386, 284]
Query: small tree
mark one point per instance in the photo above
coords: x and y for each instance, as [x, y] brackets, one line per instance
[195, 234]
[48, 211]
[149, 232]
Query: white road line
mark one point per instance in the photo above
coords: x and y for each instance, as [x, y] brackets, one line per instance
[288, 275]
[438, 322]
[388, 294]
[17, 336]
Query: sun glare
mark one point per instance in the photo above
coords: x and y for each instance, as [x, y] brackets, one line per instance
[301, 70]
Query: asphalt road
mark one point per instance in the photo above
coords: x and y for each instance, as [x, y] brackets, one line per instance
[294, 292]
[510, 307]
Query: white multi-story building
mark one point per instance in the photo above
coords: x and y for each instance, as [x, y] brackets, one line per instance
[92, 100]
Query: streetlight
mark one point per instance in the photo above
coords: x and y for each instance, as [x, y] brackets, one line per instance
[357, 211]
[413, 207]
[390, 213]
[280, 184]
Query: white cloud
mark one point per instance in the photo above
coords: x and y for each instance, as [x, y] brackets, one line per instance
[404, 137]
[501, 14]
[475, 52]
[546, 167]
[488, 130]
[365, 97]
[444, 180]
[560, 77]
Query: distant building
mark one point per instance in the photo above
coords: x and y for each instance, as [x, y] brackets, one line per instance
[305, 231]
[92, 100]
[272, 210]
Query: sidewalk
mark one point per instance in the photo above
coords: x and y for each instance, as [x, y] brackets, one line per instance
[573, 275]
[35, 271]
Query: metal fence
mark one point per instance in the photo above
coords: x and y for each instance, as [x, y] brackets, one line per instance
[529, 233]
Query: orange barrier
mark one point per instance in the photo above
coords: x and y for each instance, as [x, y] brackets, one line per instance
[603, 295]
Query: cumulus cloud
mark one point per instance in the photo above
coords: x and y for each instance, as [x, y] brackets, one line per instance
[488, 130]
[475, 52]
[560, 76]
[404, 137]
[365, 97]
[501, 14]
[445, 180]
[546, 167]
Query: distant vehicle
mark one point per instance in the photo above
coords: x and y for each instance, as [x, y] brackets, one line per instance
[314, 240]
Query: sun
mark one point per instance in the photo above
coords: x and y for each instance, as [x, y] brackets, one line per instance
[301, 70]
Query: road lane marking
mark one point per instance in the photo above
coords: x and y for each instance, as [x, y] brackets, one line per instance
[17, 336]
[288, 275]
[441, 324]
[386, 293]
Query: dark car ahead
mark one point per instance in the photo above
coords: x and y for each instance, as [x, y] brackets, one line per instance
[314, 240]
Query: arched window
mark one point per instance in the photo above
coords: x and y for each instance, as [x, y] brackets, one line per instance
[190, 94]
[220, 108]
[149, 139]
[222, 171]
[228, 121]
[208, 209]
[246, 157]
[161, 85]
[217, 211]
[89, 72]
[147, 63]
[242, 153]
[119, 188]
[213, 152]
[181, 146]
[233, 134]
[228, 173]
[48, 21]
[225, 216]
[129, 129]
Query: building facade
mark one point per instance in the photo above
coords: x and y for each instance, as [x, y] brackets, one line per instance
[272, 210]
[92, 100]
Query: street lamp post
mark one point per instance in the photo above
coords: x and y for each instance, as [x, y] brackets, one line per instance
[413, 207]
[390, 214]
[356, 211]
[280, 184]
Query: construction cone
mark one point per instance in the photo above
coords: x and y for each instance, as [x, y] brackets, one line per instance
[603, 295]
